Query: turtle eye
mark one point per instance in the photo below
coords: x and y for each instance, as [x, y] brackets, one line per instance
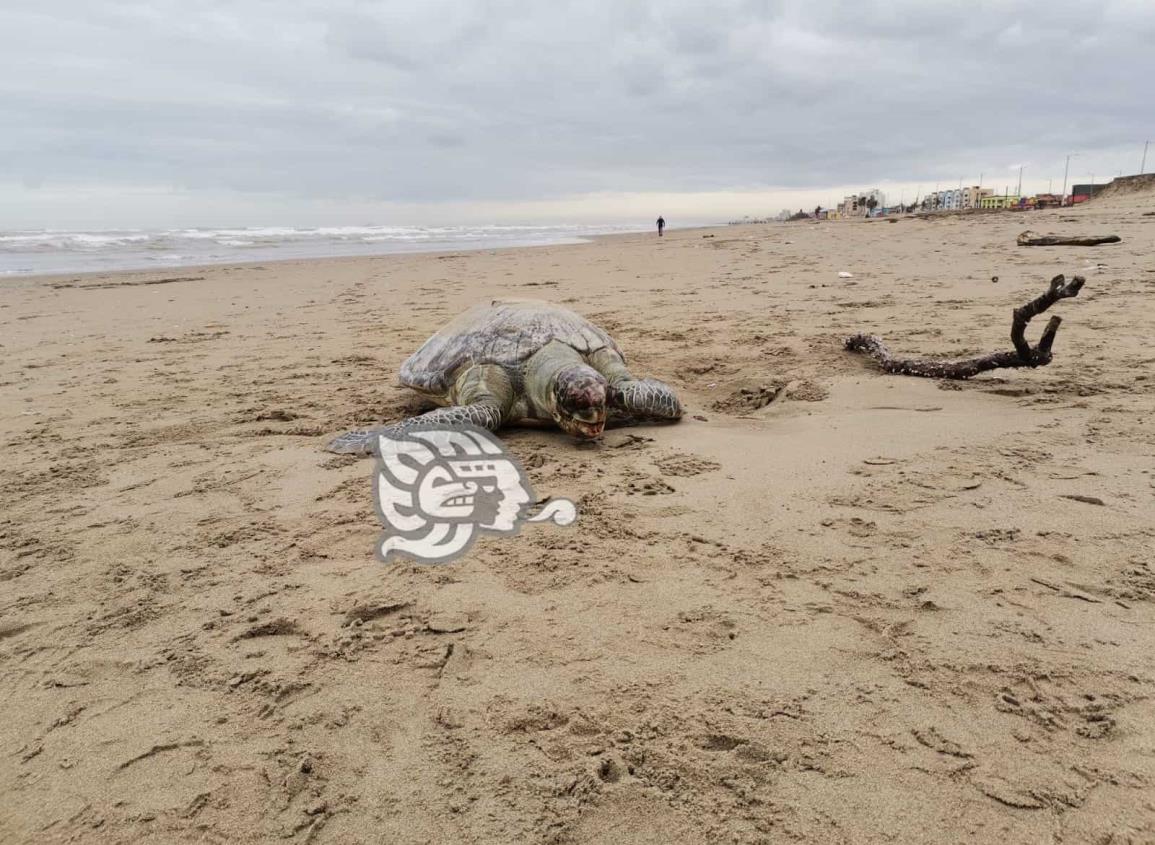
[568, 403]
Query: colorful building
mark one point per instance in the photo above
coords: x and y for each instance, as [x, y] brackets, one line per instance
[1000, 201]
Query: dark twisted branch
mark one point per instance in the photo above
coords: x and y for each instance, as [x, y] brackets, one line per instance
[1032, 239]
[1023, 355]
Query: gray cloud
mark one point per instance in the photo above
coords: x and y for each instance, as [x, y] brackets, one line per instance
[508, 101]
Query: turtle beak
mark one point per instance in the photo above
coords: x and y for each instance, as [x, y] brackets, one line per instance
[585, 426]
[589, 430]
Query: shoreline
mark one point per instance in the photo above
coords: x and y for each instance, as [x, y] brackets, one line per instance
[171, 268]
[320, 260]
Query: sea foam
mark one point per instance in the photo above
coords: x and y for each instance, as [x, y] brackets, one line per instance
[63, 251]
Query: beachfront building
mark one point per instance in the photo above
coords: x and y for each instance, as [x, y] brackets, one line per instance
[879, 200]
[861, 204]
[934, 202]
[956, 199]
[962, 199]
[1082, 193]
[973, 196]
[999, 201]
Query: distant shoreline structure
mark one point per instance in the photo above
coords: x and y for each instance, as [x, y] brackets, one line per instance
[967, 200]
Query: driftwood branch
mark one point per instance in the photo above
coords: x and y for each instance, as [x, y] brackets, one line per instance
[1033, 239]
[1023, 355]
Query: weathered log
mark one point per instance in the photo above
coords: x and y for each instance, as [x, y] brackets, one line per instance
[1034, 239]
[1023, 355]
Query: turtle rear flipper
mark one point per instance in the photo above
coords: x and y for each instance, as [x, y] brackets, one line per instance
[482, 413]
[353, 443]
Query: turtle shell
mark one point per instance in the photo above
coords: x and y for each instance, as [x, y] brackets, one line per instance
[505, 332]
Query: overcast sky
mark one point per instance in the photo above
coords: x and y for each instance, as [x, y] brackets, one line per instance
[171, 112]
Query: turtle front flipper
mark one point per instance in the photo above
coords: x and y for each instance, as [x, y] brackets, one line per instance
[645, 398]
[637, 398]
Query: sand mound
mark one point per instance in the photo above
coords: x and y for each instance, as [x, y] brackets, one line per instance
[1127, 185]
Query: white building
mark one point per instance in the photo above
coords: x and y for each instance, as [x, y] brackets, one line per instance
[859, 205]
[878, 196]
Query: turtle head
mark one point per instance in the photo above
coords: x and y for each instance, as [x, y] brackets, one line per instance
[579, 394]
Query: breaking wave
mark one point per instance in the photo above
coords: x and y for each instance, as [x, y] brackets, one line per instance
[65, 251]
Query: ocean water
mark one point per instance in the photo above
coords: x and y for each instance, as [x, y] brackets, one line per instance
[58, 251]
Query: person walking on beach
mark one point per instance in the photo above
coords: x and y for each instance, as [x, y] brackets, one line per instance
[661, 225]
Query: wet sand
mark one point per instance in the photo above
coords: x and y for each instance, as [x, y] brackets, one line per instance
[831, 605]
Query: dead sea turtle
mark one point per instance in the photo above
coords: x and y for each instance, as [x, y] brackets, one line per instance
[523, 359]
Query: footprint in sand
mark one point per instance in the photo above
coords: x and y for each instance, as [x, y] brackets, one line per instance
[749, 398]
[624, 440]
[685, 466]
[646, 486]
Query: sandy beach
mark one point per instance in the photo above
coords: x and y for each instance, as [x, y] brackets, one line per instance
[830, 605]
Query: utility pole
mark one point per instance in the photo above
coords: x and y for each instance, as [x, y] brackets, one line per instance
[1066, 170]
[1020, 188]
[1143, 163]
